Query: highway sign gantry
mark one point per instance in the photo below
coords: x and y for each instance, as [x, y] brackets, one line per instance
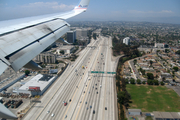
[103, 72]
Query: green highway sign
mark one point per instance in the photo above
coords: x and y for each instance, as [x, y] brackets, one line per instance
[111, 72]
[94, 71]
[100, 72]
[103, 72]
[97, 71]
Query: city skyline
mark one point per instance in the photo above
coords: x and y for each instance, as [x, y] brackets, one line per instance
[163, 11]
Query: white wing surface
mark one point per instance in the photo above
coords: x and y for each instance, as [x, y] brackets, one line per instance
[23, 39]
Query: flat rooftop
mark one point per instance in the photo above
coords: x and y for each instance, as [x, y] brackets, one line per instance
[39, 81]
[66, 47]
[166, 115]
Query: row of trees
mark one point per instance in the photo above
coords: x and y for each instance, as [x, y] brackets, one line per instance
[149, 82]
[130, 51]
[123, 96]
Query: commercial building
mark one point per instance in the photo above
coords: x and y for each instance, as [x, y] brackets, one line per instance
[46, 58]
[126, 41]
[161, 45]
[166, 115]
[37, 85]
[81, 33]
[67, 49]
[133, 112]
[71, 36]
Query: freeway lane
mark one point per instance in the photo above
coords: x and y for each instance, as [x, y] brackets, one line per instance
[82, 88]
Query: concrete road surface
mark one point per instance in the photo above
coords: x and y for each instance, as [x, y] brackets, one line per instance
[89, 96]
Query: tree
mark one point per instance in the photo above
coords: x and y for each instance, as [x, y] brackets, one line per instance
[127, 81]
[143, 72]
[135, 61]
[176, 68]
[62, 52]
[143, 82]
[156, 82]
[150, 76]
[167, 50]
[158, 51]
[162, 83]
[163, 79]
[138, 81]
[151, 62]
[27, 72]
[178, 52]
[62, 68]
[132, 81]
[150, 82]
[121, 96]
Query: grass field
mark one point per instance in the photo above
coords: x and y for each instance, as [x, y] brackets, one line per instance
[153, 98]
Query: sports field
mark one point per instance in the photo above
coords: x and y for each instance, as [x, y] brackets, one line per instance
[153, 98]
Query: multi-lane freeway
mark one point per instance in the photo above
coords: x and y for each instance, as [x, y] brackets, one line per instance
[89, 96]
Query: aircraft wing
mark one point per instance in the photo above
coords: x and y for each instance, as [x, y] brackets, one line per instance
[23, 39]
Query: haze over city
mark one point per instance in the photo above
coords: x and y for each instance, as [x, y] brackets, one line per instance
[163, 11]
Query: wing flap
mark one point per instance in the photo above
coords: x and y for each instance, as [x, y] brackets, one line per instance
[3, 67]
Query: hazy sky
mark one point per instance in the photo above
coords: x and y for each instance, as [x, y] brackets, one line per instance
[167, 11]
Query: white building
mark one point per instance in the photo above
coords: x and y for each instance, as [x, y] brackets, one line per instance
[126, 41]
[37, 85]
[67, 49]
[159, 45]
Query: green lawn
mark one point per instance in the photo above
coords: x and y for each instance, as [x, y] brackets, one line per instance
[153, 98]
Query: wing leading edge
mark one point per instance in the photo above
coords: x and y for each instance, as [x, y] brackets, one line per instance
[23, 39]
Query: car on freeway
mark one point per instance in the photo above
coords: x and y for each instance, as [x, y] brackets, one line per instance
[93, 111]
[70, 100]
[66, 116]
[105, 108]
[85, 102]
[48, 111]
[65, 104]
[52, 115]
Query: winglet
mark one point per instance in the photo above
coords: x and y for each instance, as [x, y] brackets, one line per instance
[82, 5]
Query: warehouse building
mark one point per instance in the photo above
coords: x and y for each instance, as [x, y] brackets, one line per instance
[133, 112]
[37, 85]
[166, 115]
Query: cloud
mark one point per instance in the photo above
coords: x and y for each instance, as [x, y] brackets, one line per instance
[33, 9]
[150, 12]
[49, 5]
